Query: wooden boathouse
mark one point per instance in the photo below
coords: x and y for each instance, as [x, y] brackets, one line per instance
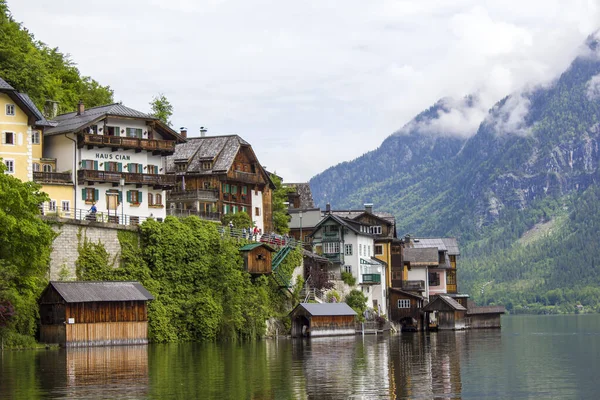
[445, 313]
[323, 319]
[75, 314]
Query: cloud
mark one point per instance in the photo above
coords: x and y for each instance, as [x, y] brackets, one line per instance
[509, 117]
[593, 88]
[340, 78]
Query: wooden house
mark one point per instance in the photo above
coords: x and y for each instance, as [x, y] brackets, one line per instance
[219, 175]
[323, 319]
[77, 314]
[257, 258]
[406, 309]
[483, 317]
[445, 313]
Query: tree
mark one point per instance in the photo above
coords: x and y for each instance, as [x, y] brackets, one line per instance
[281, 217]
[25, 245]
[240, 220]
[162, 108]
[358, 301]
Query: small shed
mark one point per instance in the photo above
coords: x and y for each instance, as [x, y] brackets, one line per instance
[446, 312]
[406, 308]
[257, 258]
[323, 319]
[75, 314]
[484, 317]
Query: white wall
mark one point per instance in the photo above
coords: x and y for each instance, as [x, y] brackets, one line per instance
[257, 201]
[61, 148]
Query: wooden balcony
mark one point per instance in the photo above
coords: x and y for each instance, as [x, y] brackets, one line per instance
[52, 177]
[156, 180]
[246, 177]
[163, 147]
[451, 288]
[333, 257]
[413, 286]
[211, 195]
[236, 198]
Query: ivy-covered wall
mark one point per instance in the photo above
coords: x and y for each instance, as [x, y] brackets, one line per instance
[196, 276]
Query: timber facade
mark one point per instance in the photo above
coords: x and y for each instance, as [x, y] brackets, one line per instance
[326, 319]
[79, 314]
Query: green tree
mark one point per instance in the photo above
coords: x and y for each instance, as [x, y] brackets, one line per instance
[358, 301]
[25, 242]
[161, 108]
[240, 220]
[281, 217]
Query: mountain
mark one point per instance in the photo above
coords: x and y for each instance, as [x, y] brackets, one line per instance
[532, 163]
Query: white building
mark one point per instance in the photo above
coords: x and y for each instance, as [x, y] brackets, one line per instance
[115, 155]
[350, 247]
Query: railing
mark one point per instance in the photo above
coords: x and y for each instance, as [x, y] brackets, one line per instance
[413, 285]
[130, 178]
[198, 194]
[212, 216]
[113, 217]
[334, 257]
[247, 177]
[238, 198]
[371, 278]
[162, 146]
[52, 177]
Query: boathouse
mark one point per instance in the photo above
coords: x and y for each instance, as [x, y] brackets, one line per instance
[323, 319]
[445, 313]
[257, 258]
[75, 314]
[483, 317]
[406, 309]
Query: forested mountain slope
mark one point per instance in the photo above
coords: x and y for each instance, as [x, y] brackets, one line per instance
[531, 161]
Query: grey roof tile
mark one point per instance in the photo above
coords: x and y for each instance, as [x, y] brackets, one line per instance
[416, 256]
[5, 85]
[443, 244]
[83, 292]
[221, 150]
[432, 306]
[323, 309]
[40, 119]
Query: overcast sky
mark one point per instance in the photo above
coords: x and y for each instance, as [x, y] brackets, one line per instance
[312, 83]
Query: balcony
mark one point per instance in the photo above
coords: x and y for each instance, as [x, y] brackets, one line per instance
[333, 257]
[163, 147]
[450, 288]
[236, 198]
[413, 286]
[246, 177]
[156, 180]
[210, 195]
[52, 177]
[374, 279]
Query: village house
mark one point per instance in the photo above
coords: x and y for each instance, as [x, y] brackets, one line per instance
[219, 175]
[21, 148]
[115, 156]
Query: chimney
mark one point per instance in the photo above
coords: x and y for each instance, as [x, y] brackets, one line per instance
[183, 132]
[202, 131]
[327, 208]
[80, 108]
[50, 109]
[369, 208]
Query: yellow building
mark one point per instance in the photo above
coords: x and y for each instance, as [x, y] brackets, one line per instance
[21, 149]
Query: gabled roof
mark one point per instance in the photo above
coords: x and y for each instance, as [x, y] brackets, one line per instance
[71, 122]
[443, 244]
[325, 309]
[5, 85]
[421, 256]
[434, 305]
[96, 291]
[405, 293]
[24, 102]
[40, 119]
[252, 246]
[345, 222]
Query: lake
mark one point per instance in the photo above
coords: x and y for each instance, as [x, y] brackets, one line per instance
[531, 357]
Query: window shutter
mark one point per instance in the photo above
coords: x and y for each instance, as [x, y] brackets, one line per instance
[96, 165]
[129, 196]
[129, 166]
[139, 196]
[83, 194]
[120, 193]
[117, 131]
[138, 133]
[120, 167]
[96, 194]
[140, 169]
[106, 166]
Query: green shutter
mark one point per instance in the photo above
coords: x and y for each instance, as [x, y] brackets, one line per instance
[120, 167]
[233, 189]
[106, 166]
[129, 167]
[117, 131]
[96, 165]
[244, 190]
[96, 194]
[139, 195]
[120, 194]
[129, 196]
[83, 194]
[139, 132]
[140, 169]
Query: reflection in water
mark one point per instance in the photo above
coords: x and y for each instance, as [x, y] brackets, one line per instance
[536, 357]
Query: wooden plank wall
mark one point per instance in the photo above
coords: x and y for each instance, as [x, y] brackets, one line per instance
[107, 333]
[332, 321]
[52, 334]
[110, 311]
[258, 265]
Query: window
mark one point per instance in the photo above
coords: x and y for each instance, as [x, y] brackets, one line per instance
[404, 303]
[206, 165]
[348, 268]
[360, 249]
[378, 250]
[10, 109]
[180, 166]
[66, 205]
[331, 228]
[225, 187]
[243, 209]
[451, 278]
[35, 137]
[134, 132]
[36, 167]
[244, 190]
[112, 131]
[434, 279]
[234, 209]
[331, 247]
[134, 196]
[135, 168]
[90, 195]
[89, 164]
[52, 206]
[376, 230]
[257, 211]
[348, 249]
[152, 169]
[10, 166]
[233, 189]
[113, 166]
[158, 199]
[206, 185]
[8, 138]
[369, 251]
[150, 199]
[93, 129]
[225, 209]
[47, 168]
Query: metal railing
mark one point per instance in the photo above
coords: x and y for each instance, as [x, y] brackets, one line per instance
[195, 194]
[111, 217]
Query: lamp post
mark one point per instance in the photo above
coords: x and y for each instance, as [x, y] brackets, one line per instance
[301, 239]
[122, 183]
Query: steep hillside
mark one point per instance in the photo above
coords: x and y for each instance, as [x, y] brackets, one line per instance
[532, 160]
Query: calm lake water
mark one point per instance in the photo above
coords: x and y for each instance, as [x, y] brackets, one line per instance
[531, 357]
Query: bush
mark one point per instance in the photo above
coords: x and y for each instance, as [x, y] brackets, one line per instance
[358, 301]
[333, 295]
[348, 279]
